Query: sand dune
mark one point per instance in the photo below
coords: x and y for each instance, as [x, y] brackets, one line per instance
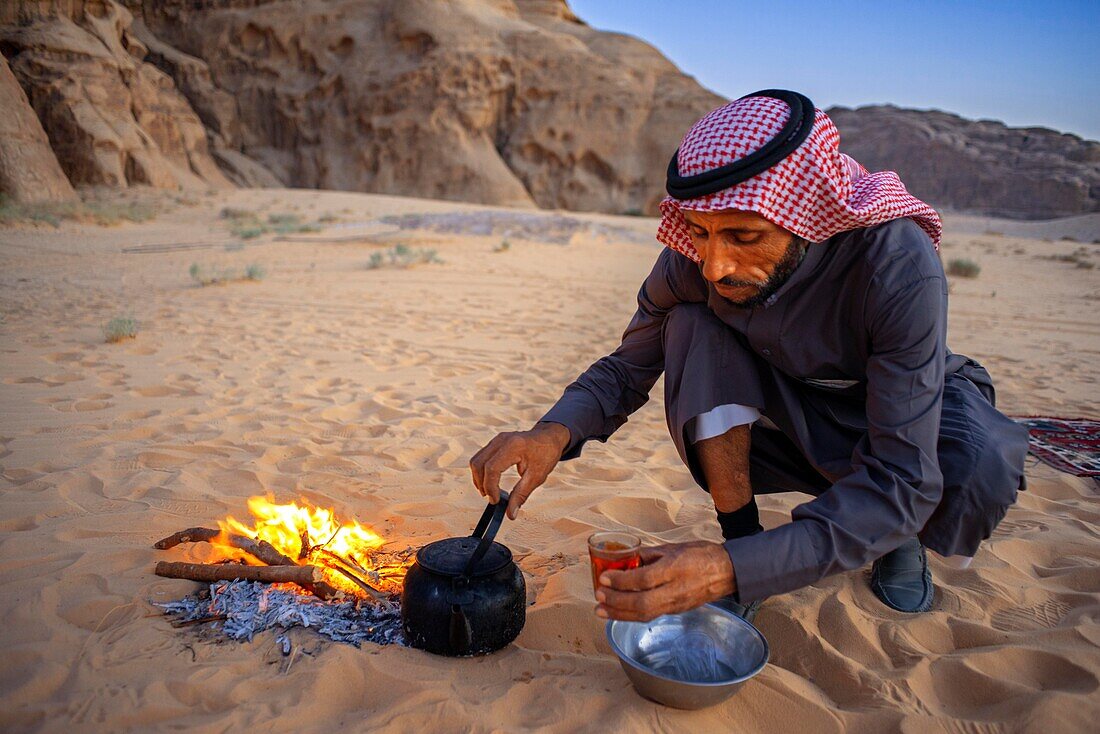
[368, 390]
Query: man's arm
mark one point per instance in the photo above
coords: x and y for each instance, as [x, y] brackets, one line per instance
[896, 481]
[598, 402]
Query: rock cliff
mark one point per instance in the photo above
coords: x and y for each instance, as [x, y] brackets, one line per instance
[496, 102]
[111, 118]
[512, 102]
[29, 171]
[981, 166]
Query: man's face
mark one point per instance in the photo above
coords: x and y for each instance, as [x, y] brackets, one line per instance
[745, 256]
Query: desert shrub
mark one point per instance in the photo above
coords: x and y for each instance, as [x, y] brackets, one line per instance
[247, 224]
[205, 275]
[633, 212]
[963, 268]
[284, 223]
[103, 213]
[504, 246]
[110, 212]
[1079, 258]
[119, 329]
[209, 275]
[402, 256]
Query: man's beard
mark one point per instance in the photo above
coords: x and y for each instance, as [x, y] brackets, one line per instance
[782, 272]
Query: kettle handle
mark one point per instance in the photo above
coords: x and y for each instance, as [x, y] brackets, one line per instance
[486, 530]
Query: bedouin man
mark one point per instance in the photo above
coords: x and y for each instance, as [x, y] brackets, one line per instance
[799, 314]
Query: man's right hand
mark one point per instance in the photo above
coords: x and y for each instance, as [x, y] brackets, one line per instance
[534, 453]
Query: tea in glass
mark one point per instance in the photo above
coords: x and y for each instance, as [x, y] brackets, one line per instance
[613, 551]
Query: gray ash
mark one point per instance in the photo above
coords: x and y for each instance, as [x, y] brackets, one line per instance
[243, 609]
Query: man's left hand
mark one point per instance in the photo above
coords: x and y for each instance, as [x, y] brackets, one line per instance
[673, 578]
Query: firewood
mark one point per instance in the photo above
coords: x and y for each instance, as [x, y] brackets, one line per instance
[190, 535]
[302, 575]
[263, 551]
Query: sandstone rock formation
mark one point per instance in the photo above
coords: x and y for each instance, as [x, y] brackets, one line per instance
[495, 101]
[111, 118]
[981, 166]
[489, 101]
[29, 171]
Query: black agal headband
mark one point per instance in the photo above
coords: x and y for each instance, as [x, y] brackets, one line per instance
[794, 131]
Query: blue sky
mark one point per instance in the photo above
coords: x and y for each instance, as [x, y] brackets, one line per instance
[1024, 63]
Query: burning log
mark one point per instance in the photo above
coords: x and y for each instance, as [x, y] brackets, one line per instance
[290, 536]
[304, 576]
[262, 550]
[190, 535]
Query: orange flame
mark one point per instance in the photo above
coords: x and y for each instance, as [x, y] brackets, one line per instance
[314, 535]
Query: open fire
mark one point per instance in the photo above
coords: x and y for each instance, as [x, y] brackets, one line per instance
[350, 555]
[318, 570]
[299, 543]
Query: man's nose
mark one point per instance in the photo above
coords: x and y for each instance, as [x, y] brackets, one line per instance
[717, 267]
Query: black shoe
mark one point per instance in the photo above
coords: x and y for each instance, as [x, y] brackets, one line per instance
[746, 612]
[901, 578]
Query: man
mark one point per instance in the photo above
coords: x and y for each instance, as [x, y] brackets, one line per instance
[799, 315]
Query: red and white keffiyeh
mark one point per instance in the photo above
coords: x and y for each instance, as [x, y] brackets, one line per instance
[815, 192]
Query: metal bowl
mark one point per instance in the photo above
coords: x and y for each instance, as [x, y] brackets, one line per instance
[690, 660]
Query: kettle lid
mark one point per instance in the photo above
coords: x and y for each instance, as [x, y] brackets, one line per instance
[448, 557]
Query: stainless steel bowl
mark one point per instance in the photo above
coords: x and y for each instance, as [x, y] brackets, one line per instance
[690, 660]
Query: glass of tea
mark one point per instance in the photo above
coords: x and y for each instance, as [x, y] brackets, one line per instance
[610, 550]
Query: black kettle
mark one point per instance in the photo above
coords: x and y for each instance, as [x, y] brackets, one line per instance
[465, 596]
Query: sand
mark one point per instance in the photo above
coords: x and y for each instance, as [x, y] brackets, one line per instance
[368, 390]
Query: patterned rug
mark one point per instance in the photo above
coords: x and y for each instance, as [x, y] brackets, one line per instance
[1070, 445]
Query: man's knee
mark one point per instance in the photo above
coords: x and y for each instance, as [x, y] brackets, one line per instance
[687, 323]
[981, 456]
[980, 449]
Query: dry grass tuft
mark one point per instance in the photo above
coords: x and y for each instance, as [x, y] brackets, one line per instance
[103, 213]
[402, 256]
[120, 329]
[963, 268]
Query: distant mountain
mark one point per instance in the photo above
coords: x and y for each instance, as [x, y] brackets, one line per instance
[978, 166]
[495, 101]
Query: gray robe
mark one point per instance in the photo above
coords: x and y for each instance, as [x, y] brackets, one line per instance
[893, 434]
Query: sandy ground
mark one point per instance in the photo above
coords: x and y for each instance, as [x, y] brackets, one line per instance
[368, 390]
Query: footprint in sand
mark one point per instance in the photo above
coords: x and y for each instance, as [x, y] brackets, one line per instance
[17, 524]
[99, 401]
[1044, 615]
[62, 378]
[23, 381]
[644, 513]
[797, 646]
[966, 726]
[1073, 572]
[157, 391]
[1039, 670]
[331, 465]
[178, 508]
[1019, 526]
[64, 357]
[161, 461]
